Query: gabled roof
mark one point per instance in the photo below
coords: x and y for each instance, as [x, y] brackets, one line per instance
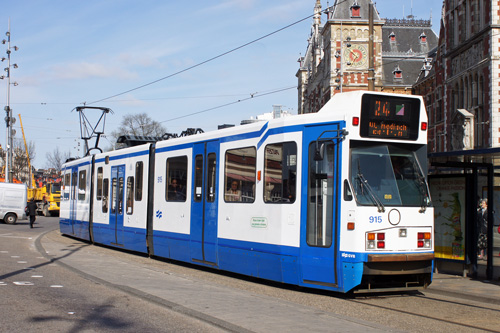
[407, 38]
[409, 67]
[342, 11]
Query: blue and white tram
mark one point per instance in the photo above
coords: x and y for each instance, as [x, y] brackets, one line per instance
[335, 200]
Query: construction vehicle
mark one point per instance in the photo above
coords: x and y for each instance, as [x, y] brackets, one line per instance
[47, 197]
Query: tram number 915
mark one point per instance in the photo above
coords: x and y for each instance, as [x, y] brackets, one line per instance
[375, 219]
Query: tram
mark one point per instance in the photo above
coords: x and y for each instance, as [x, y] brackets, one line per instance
[336, 200]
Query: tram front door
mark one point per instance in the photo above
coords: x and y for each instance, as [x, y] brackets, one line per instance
[321, 161]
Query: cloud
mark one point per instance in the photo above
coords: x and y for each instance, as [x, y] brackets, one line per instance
[86, 70]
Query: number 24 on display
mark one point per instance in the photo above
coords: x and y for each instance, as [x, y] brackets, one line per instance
[375, 219]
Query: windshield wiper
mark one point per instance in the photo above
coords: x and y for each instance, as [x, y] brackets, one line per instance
[422, 187]
[370, 191]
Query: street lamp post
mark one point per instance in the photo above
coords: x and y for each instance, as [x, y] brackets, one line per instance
[9, 120]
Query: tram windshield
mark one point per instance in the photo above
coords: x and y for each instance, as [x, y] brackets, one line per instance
[386, 174]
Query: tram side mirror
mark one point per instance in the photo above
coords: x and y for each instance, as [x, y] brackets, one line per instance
[319, 153]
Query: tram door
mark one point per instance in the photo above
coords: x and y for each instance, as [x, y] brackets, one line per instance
[204, 205]
[321, 160]
[116, 203]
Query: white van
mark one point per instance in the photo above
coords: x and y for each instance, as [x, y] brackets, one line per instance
[12, 202]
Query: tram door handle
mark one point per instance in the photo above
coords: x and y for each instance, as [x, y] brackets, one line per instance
[324, 207]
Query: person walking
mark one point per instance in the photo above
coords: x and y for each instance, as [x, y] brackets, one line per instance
[482, 227]
[31, 211]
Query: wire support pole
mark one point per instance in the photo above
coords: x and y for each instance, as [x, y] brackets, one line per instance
[9, 120]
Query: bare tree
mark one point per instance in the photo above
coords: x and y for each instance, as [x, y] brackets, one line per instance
[55, 159]
[138, 124]
[20, 168]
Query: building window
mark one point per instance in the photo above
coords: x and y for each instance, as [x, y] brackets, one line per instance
[398, 73]
[423, 38]
[355, 10]
[392, 37]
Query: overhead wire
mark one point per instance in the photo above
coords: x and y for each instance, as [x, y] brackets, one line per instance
[203, 62]
[256, 95]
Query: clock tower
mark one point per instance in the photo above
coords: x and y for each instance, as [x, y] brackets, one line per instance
[338, 55]
[348, 30]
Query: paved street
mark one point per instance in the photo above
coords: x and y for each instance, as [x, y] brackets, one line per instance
[40, 296]
[51, 282]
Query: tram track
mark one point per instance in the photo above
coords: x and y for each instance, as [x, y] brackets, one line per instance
[410, 312]
[466, 307]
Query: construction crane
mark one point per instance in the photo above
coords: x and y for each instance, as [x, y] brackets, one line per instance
[48, 197]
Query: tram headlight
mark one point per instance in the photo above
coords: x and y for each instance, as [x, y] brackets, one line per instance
[403, 233]
[371, 244]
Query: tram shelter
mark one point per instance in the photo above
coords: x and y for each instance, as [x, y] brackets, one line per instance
[457, 181]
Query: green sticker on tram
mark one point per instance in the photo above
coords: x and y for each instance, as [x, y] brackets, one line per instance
[259, 222]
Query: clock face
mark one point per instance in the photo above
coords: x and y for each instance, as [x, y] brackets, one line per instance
[356, 56]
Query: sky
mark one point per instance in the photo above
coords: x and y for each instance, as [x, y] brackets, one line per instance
[101, 52]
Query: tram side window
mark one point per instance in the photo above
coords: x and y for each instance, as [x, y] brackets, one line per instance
[82, 185]
[67, 185]
[139, 167]
[211, 177]
[320, 197]
[198, 178]
[280, 172]
[239, 175]
[99, 183]
[130, 196]
[74, 180]
[176, 179]
[105, 195]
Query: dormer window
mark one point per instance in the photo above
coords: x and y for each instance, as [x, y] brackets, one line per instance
[398, 73]
[423, 38]
[355, 10]
[392, 37]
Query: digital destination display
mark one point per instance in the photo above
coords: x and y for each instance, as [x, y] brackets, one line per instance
[389, 117]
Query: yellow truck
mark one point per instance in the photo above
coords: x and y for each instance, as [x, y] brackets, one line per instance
[47, 198]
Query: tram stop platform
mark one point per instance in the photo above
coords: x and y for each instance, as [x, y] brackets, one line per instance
[229, 308]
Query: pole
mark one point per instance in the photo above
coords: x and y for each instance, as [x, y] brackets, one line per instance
[341, 57]
[8, 111]
[371, 67]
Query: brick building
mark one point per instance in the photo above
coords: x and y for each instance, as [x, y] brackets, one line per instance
[337, 54]
[462, 91]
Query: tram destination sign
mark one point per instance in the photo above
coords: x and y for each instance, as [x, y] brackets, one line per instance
[389, 117]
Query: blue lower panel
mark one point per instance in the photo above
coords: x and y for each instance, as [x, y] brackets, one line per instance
[352, 273]
[171, 245]
[65, 227]
[271, 262]
[134, 239]
[76, 228]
